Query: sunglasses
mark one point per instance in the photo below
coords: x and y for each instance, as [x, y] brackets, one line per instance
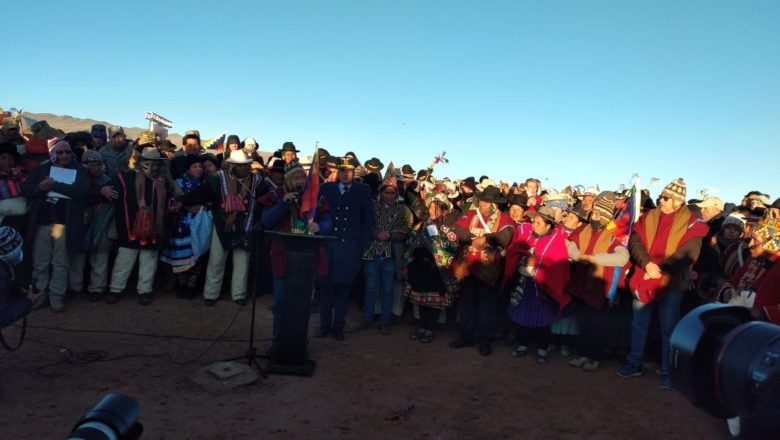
[664, 198]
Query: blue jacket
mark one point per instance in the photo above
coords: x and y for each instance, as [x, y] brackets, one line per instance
[352, 215]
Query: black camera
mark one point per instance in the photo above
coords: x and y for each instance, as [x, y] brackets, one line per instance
[115, 417]
[728, 364]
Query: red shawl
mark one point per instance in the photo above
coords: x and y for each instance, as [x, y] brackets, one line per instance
[684, 226]
[552, 272]
[487, 267]
[590, 282]
[766, 282]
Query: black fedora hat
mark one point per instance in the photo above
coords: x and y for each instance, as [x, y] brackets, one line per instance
[520, 200]
[289, 146]
[323, 155]
[491, 194]
[470, 183]
[374, 164]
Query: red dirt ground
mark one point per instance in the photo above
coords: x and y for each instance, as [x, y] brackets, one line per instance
[369, 386]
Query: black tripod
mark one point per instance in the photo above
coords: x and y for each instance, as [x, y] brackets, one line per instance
[251, 352]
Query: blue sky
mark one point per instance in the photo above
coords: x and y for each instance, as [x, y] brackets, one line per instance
[576, 92]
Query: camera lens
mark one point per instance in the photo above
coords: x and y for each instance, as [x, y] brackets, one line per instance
[748, 372]
[725, 362]
[115, 417]
[695, 343]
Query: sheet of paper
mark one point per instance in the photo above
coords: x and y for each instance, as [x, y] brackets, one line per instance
[63, 175]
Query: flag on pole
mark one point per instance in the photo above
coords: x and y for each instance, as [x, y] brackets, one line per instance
[312, 191]
[216, 143]
[628, 214]
[623, 224]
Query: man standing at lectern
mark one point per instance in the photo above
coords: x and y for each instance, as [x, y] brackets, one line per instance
[282, 213]
[353, 218]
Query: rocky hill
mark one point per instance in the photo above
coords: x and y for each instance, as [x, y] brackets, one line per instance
[69, 123]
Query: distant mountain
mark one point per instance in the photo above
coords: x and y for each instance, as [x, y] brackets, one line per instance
[69, 123]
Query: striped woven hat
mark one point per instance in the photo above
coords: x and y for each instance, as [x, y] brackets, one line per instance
[605, 205]
[676, 190]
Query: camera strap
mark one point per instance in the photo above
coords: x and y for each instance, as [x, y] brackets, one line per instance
[21, 338]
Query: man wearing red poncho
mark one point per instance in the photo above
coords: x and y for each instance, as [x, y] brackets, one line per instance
[664, 245]
[483, 233]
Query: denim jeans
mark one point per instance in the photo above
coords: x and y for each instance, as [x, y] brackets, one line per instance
[380, 274]
[669, 316]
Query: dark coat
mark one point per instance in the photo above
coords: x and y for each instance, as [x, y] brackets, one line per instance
[126, 209]
[10, 310]
[353, 221]
[74, 206]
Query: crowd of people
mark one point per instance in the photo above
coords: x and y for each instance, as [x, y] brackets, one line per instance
[542, 270]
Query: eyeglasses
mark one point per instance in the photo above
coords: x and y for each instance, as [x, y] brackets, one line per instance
[389, 192]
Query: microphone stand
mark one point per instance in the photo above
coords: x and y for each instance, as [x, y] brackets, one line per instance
[251, 355]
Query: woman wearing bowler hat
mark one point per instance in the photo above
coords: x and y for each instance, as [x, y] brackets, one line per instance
[537, 272]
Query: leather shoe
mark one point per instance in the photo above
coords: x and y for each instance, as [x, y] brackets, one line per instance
[461, 342]
[321, 333]
[209, 302]
[112, 297]
[485, 349]
[145, 299]
[338, 335]
[241, 301]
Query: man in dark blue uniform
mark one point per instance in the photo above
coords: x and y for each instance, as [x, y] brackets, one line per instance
[353, 218]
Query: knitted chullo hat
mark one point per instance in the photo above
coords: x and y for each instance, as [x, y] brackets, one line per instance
[10, 245]
[676, 190]
[54, 146]
[389, 181]
[605, 206]
[768, 232]
[290, 170]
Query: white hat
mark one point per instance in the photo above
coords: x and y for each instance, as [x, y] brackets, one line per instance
[450, 189]
[711, 202]
[238, 157]
[484, 183]
[250, 141]
[734, 219]
[438, 197]
[591, 191]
